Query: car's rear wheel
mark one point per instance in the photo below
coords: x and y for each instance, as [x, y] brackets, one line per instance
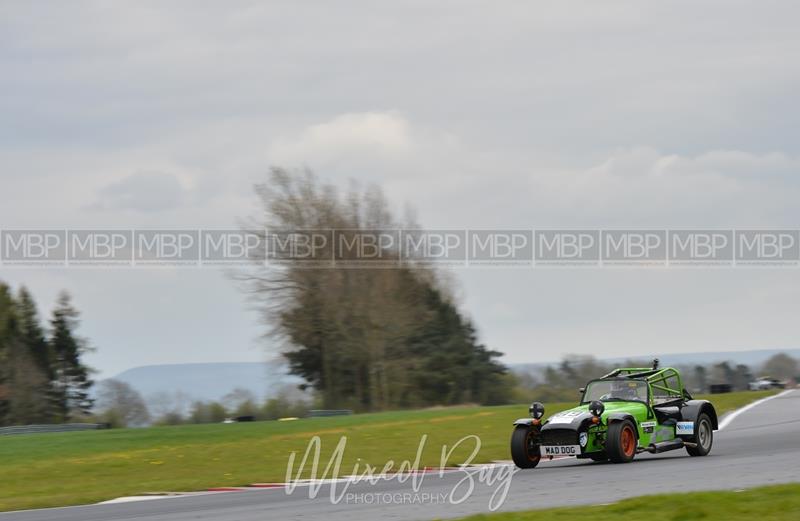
[621, 441]
[703, 436]
[525, 447]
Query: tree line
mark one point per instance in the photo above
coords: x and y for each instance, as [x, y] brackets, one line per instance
[42, 376]
[367, 339]
[560, 382]
[120, 405]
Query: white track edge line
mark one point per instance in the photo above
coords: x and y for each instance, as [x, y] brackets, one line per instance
[728, 418]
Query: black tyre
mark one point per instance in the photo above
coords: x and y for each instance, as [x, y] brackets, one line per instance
[598, 456]
[525, 447]
[703, 436]
[621, 441]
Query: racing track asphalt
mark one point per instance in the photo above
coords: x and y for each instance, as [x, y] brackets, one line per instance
[759, 447]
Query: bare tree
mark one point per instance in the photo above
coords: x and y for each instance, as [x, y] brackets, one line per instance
[234, 399]
[370, 338]
[781, 366]
[29, 388]
[120, 404]
[168, 407]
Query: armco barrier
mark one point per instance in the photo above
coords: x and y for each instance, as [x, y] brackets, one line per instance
[316, 413]
[63, 427]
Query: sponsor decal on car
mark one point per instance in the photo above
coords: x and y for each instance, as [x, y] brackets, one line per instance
[684, 428]
[565, 417]
[560, 450]
[648, 427]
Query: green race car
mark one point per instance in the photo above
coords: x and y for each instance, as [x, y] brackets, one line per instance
[628, 411]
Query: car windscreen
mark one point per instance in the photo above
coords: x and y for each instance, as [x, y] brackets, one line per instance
[619, 390]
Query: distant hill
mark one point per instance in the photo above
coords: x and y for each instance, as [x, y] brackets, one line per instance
[208, 381]
[212, 381]
[752, 358]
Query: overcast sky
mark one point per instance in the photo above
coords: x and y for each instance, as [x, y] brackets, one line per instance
[483, 115]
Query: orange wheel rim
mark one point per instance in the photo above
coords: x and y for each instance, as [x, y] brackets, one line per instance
[628, 441]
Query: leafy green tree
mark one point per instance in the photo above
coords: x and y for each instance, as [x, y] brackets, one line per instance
[722, 373]
[701, 378]
[742, 376]
[31, 332]
[217, 412]
[281, 406]
[246, 408]
[7, 334]
[42, 379]
[207, 412]
[24, 385]
[37, 351]
[71, 376]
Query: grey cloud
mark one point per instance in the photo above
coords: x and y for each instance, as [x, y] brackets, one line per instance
[143, 192]
[526, 75]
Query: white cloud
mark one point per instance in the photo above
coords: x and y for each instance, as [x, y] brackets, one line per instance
[381, 135]
[457, 183]
[642, 186]
[144, 192]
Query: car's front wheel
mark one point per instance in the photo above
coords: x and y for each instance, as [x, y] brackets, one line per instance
[621, 441]
[525, 447]
[703, 436]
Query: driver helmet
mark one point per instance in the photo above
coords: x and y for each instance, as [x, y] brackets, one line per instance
[624, 389]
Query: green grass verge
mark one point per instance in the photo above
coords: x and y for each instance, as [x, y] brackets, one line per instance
[46, 470]
[773, 503]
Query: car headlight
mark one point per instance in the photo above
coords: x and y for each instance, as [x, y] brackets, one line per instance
[597, 407]
[583, 439]
[537, 410]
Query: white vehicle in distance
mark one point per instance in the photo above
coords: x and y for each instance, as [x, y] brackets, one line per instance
[764, 383]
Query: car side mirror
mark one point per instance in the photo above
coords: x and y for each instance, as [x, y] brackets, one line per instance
[582, 390]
